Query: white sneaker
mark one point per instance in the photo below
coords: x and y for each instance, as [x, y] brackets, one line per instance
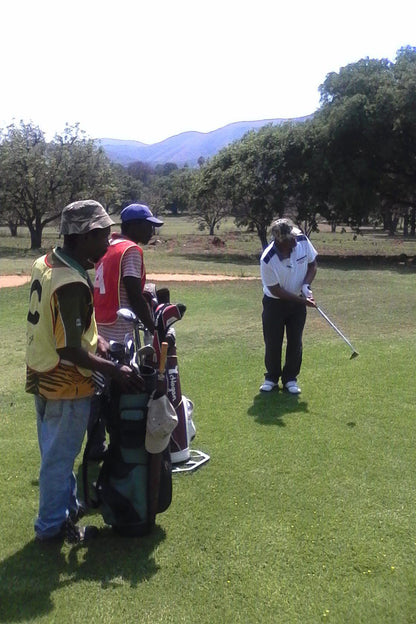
[292, 387]
[267, 385]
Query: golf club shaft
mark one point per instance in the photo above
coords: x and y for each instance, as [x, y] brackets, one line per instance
[334, 327]
[163, 356]
[161, 378]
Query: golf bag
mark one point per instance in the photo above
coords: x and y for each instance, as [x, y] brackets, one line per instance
[132, 485]
[166, 314]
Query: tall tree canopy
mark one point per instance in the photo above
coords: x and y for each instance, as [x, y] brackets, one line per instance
[369, 109]
[37, 178]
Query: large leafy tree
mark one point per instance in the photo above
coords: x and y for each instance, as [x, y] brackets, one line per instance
[210, 200]
[38, 178]
[369, 109]
[170, 188]
[251, 181]
[303, 172]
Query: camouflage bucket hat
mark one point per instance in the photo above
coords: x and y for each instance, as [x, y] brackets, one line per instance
[83, 216]
[283, 229]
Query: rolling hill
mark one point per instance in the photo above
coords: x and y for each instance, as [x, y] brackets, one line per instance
[184, 148]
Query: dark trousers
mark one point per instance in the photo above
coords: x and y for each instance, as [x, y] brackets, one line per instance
[280, 316]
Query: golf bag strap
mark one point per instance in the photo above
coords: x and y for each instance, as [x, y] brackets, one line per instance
[85, 460]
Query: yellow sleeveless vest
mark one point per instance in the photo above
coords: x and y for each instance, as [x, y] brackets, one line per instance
[41, 354]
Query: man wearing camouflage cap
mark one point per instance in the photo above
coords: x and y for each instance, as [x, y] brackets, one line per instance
[63, 348]
[288, 267]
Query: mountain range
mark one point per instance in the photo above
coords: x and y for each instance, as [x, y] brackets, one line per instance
[185, 148]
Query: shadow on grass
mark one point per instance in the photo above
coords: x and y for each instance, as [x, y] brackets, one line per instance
[271, 407]
[30, 576]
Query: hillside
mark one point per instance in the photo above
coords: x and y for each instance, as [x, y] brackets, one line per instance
[184, 148]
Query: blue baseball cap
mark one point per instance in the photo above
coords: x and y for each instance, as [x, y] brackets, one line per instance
[139, 212]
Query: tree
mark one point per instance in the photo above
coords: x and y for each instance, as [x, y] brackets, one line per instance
[141, 171]
[370, 112]
[37, 179]
[251, 181]
[210, 204]
[169, 190]
[131, 187]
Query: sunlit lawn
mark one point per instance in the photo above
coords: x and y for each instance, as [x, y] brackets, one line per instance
[180, 247]
[305, 512]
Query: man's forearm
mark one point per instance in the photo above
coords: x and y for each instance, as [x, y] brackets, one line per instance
[282, 293]
[310, 273]
[84, 359]
[138, 302]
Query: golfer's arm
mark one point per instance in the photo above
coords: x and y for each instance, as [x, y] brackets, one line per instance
[138, 302]
[311, 272]
[280, 292]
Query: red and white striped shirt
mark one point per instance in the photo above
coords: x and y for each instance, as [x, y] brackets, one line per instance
[123, 258]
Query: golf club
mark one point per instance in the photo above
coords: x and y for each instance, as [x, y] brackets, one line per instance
[163, 357]
[354, 352]
[145, 353]
[128, 315]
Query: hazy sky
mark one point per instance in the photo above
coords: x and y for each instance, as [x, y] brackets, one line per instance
[149, 70]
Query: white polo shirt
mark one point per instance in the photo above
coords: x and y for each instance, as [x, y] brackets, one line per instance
[288, 273]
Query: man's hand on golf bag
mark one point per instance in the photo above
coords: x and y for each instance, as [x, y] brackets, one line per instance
[128, 380]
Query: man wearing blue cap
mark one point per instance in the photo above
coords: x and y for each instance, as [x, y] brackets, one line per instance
[120, 278]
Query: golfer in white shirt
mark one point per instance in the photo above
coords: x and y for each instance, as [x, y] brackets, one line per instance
[288, 267]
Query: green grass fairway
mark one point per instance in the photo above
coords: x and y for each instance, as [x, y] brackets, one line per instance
[181, 248]
[305, 512]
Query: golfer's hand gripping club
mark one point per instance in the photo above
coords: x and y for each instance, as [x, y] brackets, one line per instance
[306, 291]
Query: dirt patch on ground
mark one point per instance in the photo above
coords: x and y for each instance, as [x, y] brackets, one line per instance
[13, 280]
[7, 281]
[199, 277]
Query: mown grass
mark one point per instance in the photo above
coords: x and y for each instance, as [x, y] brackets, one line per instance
[305, 512]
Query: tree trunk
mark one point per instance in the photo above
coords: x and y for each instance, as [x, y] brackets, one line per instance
[35, 238]
[406, 223]
[13, 229]
[394, 223]
[413, 222]
[262, 233]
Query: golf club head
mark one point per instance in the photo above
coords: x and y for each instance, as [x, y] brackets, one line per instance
[127, 315]
[128, 348]
[354, 354]
[116, 350]
[134, 364]
[147, 351]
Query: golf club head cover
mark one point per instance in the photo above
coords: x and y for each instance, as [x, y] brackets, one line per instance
[165, 315]
[163, 295]
[151, 302]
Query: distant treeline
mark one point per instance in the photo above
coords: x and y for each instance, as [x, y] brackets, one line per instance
[353, 162]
